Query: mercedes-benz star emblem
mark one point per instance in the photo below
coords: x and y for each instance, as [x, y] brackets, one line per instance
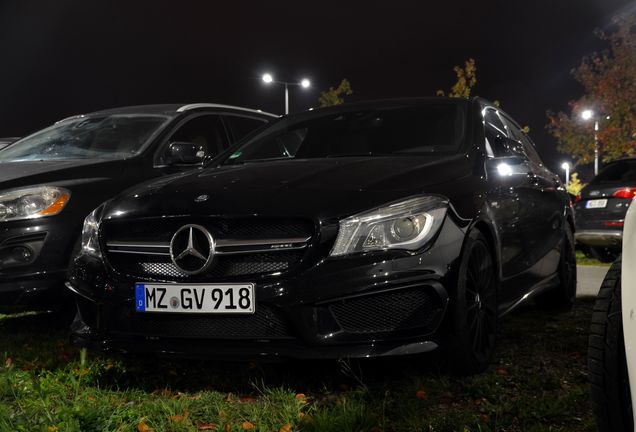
[192, 249]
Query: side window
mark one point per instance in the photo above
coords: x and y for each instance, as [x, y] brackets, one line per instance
[531, 150]
[206, 131]
[522, 143]
[242, 126]
[496, 135]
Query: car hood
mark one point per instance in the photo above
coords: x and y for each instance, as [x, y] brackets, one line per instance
[27, 173]
[311, 187]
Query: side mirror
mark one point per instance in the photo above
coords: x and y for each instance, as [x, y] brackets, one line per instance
[184, 153]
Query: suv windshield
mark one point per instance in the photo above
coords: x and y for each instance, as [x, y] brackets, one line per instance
[424, 130]
[618, 172]
[107, 137]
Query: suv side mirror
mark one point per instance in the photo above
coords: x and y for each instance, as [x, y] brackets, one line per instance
[184, 153]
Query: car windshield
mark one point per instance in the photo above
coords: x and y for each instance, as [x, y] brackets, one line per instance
[428, 129]
[105, 137]
[618, 172]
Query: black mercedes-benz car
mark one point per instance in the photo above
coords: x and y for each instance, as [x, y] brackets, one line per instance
[368, 229]
[601, 206]
[51, 180]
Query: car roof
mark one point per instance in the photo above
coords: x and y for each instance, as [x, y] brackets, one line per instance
[170, 110]
[376, 104]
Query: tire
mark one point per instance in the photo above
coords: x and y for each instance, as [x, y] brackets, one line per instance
[563, 296]
[602, 254]
[474, 308]
[609, 382]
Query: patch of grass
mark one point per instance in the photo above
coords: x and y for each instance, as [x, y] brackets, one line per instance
[537, 382]
[582, 259]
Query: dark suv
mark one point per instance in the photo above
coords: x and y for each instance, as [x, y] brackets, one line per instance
[51, 180]
[601, 206]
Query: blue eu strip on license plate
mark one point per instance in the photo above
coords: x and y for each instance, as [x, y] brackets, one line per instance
[140, 297]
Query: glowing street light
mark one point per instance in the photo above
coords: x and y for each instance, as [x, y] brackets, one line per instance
[588, 115]
[566, 167]
[269, 79]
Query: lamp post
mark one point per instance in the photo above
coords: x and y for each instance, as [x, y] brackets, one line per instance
[587, 115]
[269, 79]
[566, 167]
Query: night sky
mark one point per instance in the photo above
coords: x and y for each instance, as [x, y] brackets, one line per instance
[63, 57]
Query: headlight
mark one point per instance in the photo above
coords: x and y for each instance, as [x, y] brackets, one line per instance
[90, 233]
[31, 203]
[404, 225]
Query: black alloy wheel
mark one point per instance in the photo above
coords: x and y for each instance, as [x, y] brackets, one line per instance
[474, 308]
[609, 381]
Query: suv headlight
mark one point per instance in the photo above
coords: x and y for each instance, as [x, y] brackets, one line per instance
[407, 225]
[90, 233]
[32, 202]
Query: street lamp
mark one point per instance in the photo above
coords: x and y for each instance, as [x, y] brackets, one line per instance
[587, 115]
[566, 167]
[304, 83]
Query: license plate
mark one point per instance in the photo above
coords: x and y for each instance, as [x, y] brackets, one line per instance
[598, 203]
[195, 298]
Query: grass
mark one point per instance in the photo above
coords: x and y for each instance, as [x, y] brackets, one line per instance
[581, 259]
[537, 382]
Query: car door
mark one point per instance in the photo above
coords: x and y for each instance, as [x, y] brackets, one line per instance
[510, 204]
[546, 228]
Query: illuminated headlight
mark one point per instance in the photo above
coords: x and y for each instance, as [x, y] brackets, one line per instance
[406, 225]
[90, 233]
[33, 202]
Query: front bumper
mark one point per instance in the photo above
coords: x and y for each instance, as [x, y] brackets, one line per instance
[34, 255]
[600, 238]
[392, 303]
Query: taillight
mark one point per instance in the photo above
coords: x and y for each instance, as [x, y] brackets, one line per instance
[627, 193]
[577, 198]
[613, 223]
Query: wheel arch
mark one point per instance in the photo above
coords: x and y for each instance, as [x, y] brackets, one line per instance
[490, 233]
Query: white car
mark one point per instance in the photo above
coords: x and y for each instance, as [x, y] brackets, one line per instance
[612, 343]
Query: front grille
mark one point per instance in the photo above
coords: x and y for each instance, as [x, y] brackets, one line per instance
[265, 323]
[244, 247]
[224, 267]
[390, 311]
